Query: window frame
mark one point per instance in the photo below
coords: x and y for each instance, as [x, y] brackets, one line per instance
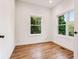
[61, 24]
[35, 25]
[67, 22]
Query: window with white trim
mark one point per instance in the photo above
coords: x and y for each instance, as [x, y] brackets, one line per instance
[66, 24]
[35, 25]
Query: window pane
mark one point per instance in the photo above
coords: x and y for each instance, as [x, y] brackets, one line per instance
[62, 29]
[35, 29]
[71, 29]
[35, 20]
[61, 25]
[35, 25]
[71, 23]
[61, 20]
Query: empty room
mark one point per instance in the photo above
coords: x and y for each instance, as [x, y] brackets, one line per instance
[38, 29]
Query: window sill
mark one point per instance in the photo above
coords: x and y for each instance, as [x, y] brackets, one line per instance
[65, 36]
[35, 34]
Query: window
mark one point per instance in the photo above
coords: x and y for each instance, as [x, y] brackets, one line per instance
[66, 24]
[35, 25]
[71, 24]
[62, 25]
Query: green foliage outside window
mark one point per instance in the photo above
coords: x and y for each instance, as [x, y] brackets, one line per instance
[62, 30]
[35, 20]
[71, 23]
[61, 20]
[35, 29]
[69, 19]
[61, 25]
[71, 28]
[35, 25]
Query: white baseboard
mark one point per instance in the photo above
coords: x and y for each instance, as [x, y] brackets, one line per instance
[23, 43]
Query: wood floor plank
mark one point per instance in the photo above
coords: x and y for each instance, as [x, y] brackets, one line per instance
[48, 50]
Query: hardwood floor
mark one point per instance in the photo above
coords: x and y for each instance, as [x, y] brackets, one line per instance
[47, 50]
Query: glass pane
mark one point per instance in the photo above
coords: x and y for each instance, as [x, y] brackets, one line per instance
[61, 20]
[71, 29]
[71, 23]
[62, 25]
[62, 29]
[35, 29]
[35, 20]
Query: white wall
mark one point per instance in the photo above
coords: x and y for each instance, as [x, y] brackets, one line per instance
[61, 8]
[65, 41]
[49, 24]
[6, 28]
[23, 12]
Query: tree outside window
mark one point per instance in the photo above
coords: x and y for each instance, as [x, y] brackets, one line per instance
[68, 21]
[35, 25]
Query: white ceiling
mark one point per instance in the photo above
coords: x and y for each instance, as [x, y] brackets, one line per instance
[44, 3]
